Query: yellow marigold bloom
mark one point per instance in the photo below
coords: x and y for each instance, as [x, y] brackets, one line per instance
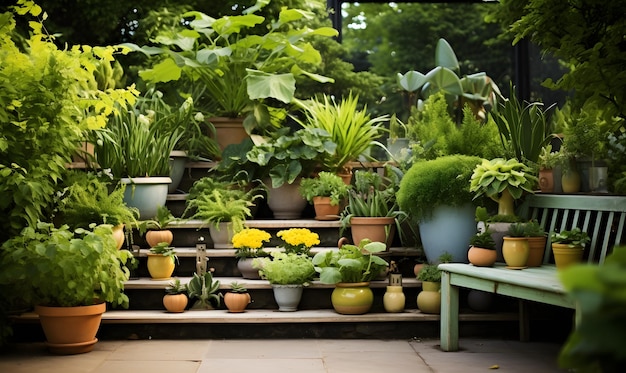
[299, 240]
[249, 242]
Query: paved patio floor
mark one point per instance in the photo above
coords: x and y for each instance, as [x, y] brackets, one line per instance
[288, 355]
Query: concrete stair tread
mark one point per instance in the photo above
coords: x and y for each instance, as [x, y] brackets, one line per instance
[185, 252]
[266, 316]
[148, 283]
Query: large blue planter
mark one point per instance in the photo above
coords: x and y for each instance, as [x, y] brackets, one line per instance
[448, 230]
[146, 194]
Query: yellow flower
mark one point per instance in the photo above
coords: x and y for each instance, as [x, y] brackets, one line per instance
[299, 240]
[249, 242]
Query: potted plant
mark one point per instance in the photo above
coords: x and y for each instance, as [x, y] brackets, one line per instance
[372, 211]
[175, 299]
[237, 66]
[282, 160]
[482, 251]
[224, 206]
[398, 141]
[237, 299]
[568, 246]
[161, 261]
[429, 299]
[156, 229]
[547, 161]
[351, 268]
[63, 273]
[325, 191]
[204, 288]
[88, 198]
[248, 244]
[435, 195]
[288, 273]
[352, 129]
[298, 240]
[537, 238]
[137, 151]
[503, 181]
[515, 248]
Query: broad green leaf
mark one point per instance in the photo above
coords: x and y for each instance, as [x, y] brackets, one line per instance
[164, 71]
[411, 81]
[445, 57]
[263, 85]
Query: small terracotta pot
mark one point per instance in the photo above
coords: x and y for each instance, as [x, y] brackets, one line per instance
[537, 246]
[324, 210]
[175, 303]
[153, 238]
[236, 302]
[481, 257]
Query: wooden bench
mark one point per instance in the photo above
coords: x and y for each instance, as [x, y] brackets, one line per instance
[602, 216]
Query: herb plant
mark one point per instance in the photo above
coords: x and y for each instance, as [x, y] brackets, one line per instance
[286, 268]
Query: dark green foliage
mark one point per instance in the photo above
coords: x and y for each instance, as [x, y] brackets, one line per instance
[175, 287]
[574, 237]
[517, 230]
[597, 343]
[441, 181]
[483, 240]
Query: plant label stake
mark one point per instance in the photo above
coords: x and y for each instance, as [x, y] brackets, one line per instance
[201, 259]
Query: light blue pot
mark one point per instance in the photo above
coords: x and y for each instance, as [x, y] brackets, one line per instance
[449, 230]
[146, 194]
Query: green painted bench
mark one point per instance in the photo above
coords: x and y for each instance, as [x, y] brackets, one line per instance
[602, 216]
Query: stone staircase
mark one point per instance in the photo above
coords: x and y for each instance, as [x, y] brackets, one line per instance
[146, 317]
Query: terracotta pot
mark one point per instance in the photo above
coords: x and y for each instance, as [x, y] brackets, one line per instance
[515, 251]
[236, 302]
[481, 257]
[155, 237]
[228, 131]
[376, 229]
[160, 267]
[175, 303]
[565, 256]
[429, 299]
[71, 330]
[352, 298]
[324, 210]
[546, 180]
[537, 246]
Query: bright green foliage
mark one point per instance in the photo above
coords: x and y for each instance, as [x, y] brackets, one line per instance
[205, 289]
[492, 177]
[59, 267]
[87, 199]
[49, 99]
[350, 263]
[597, 343]
[573, 238]
[429, 272]
[163, 248]
[215, 202]
[175, 287]
[326, 184]
[351, 128]
[236, 287]
[286, 268]
[286, 156]
[443, 181]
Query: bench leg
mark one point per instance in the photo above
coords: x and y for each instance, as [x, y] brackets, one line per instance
[524, 321]
[449, 314]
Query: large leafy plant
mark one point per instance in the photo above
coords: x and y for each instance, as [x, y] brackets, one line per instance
[350, 263]
[286, 268]
[236, 65]
[50, 97]
[48, 266]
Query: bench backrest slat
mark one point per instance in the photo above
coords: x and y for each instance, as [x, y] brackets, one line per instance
[602, 217]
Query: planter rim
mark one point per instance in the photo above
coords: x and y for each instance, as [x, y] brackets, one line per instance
[146, 180]
[178, 153]
[61, 311]
[352, 284]
[367, 220]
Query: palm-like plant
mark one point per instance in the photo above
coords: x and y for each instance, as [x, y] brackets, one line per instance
[351, 128]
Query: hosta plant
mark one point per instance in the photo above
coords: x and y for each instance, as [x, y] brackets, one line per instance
[350, 263]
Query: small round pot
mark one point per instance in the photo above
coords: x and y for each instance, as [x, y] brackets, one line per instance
[394, 299]
[565, 256]
[236, 302]
[429, 299]
[481, 257]
[118, 235]
[155, 237]
[244, 265]
[175, 303]
[515, 251]
[287, 297]
[160, 267]
[352, 298]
